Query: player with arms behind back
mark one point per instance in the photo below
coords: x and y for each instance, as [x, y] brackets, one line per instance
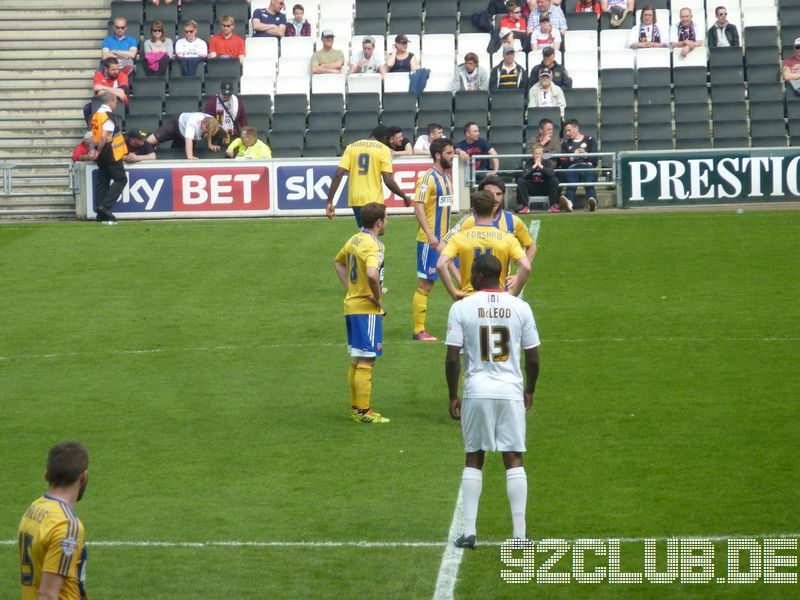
[359, 265]
[491, 326]
[52, 554]
[433, 202]
[369, 164]
[483, 238]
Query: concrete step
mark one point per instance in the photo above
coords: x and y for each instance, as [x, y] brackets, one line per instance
[22, 97]
[40, 88]
[21, 152]
[24, 133]
[8, 13]
[58, 140]
[73, 123]
[64, 45]
[19, 114]
[47, 36]
[63, 5]
[86, 61]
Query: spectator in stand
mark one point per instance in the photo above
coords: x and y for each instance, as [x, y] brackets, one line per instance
[557, 18]
[790, 69]
[537, 180]
[401, 60]
[226, 44]
[139, 149]
[469, 76]
[474, 144]
[546, 93]
[190, 50]
[508, 75]
[109, 78]
[366, 61]
[398, 144]
[513, 19]
[158, 50]
[687, 33]
[229, 111]
[299, 27]
[588, 6]
[121, 46]
[423, 144]
[722, 33]
[580, 169]
[270, 21]
[84, 151]
[184, 130]
[507, 38]
[618, 10]
[544, 36]
[327, 60]
[647, 33]
[546, 138]
[560, 76]
[248, 146]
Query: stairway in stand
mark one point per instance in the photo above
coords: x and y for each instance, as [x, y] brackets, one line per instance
[48, 57]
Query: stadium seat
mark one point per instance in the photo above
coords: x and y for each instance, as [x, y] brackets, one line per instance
[290, 103]
[689, 76]
[585, 115]
[650, 58]
[395, 83]
[253, 84]
[760, 36]
[142, 122]
[161, 12]
[257, 104]
[238, 9]
[582, 22]
[617, 78]
[324, 122]
[655, 136]
[696, 58]
[730, 134]
[186, 86]
[212, 84]
[439, 25]
[617, 59]
[328, 83]
[407, 25]
[585, 78]
[365, 83]
[536, 114]
[508, 100]
[292, 84]
[301, 47]
[263, 48]
[654, 113]
[581, 60]
[616, 138]
[471, 42]
[614, 39]
[147, 105]
[148, 86]
[438, 44]
[352, 135]
[372, 8]
[286, 144]
[605, 23]
[365, 103]
[260, 67]
[174, 104]
[353, 120]
[292, 122]
[369, 26]
[229, 68]
[327, 103]
[132, 11]
[198, 10]
[400, 102]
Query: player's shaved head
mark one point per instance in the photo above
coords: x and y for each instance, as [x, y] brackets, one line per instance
[486, 272]
[65, 463]
[482, 203]
[372, 213]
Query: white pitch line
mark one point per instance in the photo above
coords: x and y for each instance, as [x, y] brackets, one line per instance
[235, 348]
[451, 559]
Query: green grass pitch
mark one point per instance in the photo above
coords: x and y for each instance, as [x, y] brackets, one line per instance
[203, 363]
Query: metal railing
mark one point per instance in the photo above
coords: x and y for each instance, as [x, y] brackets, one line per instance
[12, 170]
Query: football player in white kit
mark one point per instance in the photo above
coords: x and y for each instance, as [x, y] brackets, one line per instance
[491, 326]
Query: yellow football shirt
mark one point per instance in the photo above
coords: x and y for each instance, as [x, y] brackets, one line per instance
[51, 539]
[435, 191]
[482, 239]
[505, 221]
[359, 252]
[364, 161]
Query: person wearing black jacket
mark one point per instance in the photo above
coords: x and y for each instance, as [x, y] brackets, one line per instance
[537, 180]
[560, 76]
[508, 75]
[580, 169]
[722, 33]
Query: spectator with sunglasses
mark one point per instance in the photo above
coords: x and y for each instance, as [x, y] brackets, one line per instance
[790, 70]
[190, 50]
[158, 50]
[226, 44]
[401, 60]
[722, 33]
[270, 21]
[121, 46]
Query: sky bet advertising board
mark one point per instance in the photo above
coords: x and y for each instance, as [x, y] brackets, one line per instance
[164, 189]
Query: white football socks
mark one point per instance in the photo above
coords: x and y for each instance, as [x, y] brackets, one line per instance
[471, 484]
[517, 489]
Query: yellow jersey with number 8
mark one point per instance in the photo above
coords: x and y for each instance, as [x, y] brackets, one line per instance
[365, 161]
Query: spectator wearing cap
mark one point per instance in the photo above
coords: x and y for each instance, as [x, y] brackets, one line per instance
[327, 60]
[299, 27]
[617, 9]
[559, 74]
[545, 35]
[686, 34]
[790, 69]
[469, 76]
[269, 21]
[84, 151]
[647, 33]
[507, 38]
[121, 46]
[138, 146]
[158, 50]
[366, 61]
[401, 60]
[722, 33]
[508, 75]
[228, 108]
[190, 50]
[545, 92]
[557, 18]
[226, 44]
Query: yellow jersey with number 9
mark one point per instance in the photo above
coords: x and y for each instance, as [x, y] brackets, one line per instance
[359, 252]
[364, 162]
[51, 540]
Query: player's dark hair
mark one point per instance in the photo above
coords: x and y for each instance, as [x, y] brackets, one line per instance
[379, 133]
[65, 463]
[392, 131]
[371, 213]
[492, 180]
[489, 266]
[546, 121]
[438, 146]
[482, 203]
[573, 122]
[432, 127]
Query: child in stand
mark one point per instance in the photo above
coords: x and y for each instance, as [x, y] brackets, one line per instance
[545, 36]
[248, 147]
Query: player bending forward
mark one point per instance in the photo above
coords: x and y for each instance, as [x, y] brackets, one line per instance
[491, 325]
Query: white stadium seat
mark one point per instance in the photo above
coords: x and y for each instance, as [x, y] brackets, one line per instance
[696, 58]
[361, 83]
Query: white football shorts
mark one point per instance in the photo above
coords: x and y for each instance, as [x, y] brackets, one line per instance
[496, 425]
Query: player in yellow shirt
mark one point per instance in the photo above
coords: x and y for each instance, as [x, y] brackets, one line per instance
[504, 220]
[483, 238]
[52, 551]
[369, 165]
[359, 265]
[433, 201]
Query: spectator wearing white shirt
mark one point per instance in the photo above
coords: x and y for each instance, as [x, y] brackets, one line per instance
[423, 144]
[190, 50]
[647, 34]
[366, 61]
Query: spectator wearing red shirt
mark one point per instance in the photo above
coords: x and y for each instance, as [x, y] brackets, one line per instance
[226, 44]
[84, 151]
[108, 79]
[513, 19]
